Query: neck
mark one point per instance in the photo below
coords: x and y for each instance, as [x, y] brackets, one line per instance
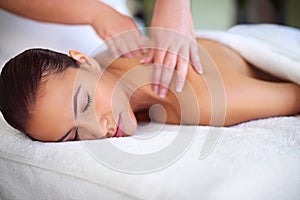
[134, 79]
[137, 85]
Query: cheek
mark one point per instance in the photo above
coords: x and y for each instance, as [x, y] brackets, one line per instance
[103, 100]
[113, 101]
[110, 99]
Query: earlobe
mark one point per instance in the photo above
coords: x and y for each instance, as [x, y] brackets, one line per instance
[80, 57]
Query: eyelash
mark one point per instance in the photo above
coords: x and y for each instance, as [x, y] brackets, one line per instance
[85, 108]
[88, 103]
[89, 100]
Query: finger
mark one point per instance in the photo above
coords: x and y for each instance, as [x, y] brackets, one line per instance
[182, 70]
[182, 67]
[144, 42]
[160, 40]
[149, 58]
[141, 42]
[195, 58]
[112, 47]
[167, 73]
[132, 41]
[128, 55]
[122, 46]
[159, 56]
[137, 53]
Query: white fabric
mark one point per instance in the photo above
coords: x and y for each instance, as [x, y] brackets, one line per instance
[272, 48]
[255, 160]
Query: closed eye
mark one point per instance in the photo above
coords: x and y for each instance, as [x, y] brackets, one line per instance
[89, 100]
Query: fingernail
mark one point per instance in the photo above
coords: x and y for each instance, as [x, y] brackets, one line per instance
[200, 70]
[143, 60]
[179, 88]
[155, 89]
[163, 92]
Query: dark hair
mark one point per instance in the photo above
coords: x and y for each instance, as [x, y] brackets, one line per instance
[20, 79]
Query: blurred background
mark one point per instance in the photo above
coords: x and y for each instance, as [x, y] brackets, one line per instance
[222, 14]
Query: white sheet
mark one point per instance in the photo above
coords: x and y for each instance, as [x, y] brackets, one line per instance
[254, 160]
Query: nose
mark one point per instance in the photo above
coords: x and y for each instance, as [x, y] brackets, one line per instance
[107, 127]
[94, 129]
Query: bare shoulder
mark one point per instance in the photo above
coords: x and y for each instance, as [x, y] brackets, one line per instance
[226, 59]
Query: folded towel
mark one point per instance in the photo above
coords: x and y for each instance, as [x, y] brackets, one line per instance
[272, 48]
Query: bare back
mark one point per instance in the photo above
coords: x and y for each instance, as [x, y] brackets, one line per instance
[230, 91]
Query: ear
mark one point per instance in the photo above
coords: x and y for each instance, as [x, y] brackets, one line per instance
[85, 60]
[80, 57]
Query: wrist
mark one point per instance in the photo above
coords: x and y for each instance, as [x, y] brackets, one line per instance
[171, 9]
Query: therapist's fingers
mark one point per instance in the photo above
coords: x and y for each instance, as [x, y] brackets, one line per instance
[141, 42]
[123, 46]
[117, 47]
[149, 58]
[144, 43]
[181, 69]
[159, 56]
[128, 44]
[195, 58]
[112, 47]
[133, 40]
[169, 65]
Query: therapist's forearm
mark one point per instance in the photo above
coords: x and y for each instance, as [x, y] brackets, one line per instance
[165, 8]
[55, 11]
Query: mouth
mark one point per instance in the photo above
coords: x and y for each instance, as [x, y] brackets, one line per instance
[118, 132]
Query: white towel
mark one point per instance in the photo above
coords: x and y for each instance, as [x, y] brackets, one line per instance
[272, 48]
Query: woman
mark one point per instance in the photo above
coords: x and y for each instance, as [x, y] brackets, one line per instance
[52, 97]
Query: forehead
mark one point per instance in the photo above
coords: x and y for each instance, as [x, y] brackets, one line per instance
[52, 114]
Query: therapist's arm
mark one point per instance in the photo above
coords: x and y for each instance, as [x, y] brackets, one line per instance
[106, 21]
[55, 11]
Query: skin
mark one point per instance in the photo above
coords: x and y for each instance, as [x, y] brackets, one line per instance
[120, 32]
[245, 94]
[175, 16]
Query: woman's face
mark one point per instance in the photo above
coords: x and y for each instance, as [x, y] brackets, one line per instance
[81, 104]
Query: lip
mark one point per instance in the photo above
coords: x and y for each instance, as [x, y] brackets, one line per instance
[119, 132]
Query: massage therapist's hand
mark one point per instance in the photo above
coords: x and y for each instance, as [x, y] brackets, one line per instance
[119, 32]
[174, 42]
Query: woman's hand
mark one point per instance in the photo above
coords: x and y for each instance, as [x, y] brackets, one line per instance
[119, 32]
[174, 44]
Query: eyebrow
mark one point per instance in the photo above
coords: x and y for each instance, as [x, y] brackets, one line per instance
[75, 113]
